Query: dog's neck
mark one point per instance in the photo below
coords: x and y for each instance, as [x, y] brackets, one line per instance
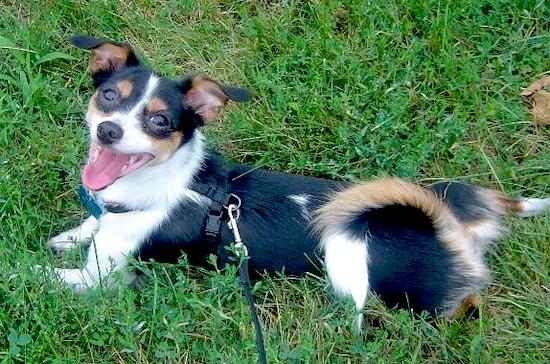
[161, 186]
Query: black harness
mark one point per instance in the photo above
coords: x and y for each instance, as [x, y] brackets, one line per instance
[220, 199]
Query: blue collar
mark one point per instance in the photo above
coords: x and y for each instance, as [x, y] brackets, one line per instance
[96, 209]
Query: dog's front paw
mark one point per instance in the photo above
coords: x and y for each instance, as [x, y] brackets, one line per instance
[74, 237]
[62, 242]
[75, 278]
[41, 269]
[67, 240]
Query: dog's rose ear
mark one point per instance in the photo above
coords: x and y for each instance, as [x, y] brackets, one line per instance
[207, 97]
[107, 56]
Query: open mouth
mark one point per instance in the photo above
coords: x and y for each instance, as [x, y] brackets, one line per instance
[105, 166]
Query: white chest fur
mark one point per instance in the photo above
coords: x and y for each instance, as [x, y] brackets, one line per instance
[150, 193]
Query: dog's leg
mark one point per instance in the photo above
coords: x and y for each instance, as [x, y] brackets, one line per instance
[74, 237]
[346, 263]
[470, 304]
[118, 237]
[107, 254]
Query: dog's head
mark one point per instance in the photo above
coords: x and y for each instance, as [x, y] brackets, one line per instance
[138, 118]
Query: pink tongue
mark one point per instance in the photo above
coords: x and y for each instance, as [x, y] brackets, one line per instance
[104, 170]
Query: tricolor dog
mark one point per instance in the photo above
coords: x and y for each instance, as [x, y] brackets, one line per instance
[156, 184]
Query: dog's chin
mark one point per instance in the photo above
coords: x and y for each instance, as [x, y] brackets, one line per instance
[105, 165]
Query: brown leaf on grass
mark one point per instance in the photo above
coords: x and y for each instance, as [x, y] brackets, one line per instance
[539, 93]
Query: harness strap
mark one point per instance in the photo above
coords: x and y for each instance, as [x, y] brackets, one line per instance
[216, 190]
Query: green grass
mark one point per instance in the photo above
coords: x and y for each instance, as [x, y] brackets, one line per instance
[349, 90]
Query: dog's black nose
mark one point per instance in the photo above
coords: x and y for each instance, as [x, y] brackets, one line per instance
[108, 132]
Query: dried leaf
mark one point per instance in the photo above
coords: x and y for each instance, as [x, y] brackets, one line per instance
[536, 86]
[539, 93]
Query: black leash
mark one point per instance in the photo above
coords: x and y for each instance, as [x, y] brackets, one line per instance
[224, 206]
[244, 281]
[241, 252]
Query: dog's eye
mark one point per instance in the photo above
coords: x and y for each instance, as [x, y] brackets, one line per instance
[109, 94]
[159, 120]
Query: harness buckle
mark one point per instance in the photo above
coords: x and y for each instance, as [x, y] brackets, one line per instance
[213, 227]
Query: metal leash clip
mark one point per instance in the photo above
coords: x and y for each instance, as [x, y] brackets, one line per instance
[234, 213]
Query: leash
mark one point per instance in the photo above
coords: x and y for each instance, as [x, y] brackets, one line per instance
[244, 278]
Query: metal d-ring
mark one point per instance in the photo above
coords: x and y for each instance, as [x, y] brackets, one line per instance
[239, 202]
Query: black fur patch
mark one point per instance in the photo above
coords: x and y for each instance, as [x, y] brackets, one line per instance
[181, 233]
[237, 94]
[271, 224]
[408, 265]
[138, 76]
[87, 42]
[182, 117]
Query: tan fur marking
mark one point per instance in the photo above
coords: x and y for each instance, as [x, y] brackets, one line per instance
[164, 148]
[499, 202]
[93, 111]
[156, 104]
[482, 227]
[472, 301]
[204, 83]
[109, 56]
[375, 194]
[511, 204]
[483, 232]
[125, 87]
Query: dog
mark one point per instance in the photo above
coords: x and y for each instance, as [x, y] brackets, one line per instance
[158, 188]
